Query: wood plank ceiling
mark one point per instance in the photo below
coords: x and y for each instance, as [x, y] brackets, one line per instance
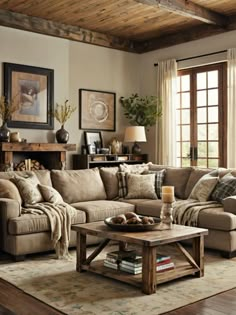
[131, 25]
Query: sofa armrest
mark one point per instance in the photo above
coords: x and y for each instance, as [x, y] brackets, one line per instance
[229, 204]
[9, 208]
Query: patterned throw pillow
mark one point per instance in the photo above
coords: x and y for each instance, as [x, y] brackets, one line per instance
[28, 188]
[128, 169]
[50, 194]
[141, 186]
[122, 184]
[226, 187]
[159, 179]
[203, 188]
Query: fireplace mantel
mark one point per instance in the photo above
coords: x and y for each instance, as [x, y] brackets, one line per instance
[51, 155]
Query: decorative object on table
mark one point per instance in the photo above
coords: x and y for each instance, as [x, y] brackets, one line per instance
[62, 113]
[6, 110]
[168, 198]
[97, 110]
[92, 140]
[135, 134]
[33, 88]
[15, 137]
[116, 146]
[141, 111]
[131, 222]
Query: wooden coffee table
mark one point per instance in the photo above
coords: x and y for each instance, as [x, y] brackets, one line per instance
[149, 241]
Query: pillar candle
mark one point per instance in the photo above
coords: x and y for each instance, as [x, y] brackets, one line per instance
[168, 195]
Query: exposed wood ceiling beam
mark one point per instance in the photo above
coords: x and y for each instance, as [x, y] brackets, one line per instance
[42, 26]
[188, 9]
[188, 35]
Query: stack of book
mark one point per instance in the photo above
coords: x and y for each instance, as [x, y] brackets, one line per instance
[113, 259]
[134, 264]
[164, 263]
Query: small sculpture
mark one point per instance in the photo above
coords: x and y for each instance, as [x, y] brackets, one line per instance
[116, 146]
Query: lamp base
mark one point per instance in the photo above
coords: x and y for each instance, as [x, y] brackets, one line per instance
[136, 148]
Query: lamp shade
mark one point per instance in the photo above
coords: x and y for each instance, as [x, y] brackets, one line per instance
[135, 134]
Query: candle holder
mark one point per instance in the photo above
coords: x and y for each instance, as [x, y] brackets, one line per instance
[168, 198]
[166, 217]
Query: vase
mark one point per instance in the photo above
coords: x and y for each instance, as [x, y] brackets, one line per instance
[4, 133]
[62, 135]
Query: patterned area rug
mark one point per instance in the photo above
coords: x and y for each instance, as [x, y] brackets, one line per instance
[58, 284]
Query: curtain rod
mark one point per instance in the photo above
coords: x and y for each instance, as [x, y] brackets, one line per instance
[194, 57]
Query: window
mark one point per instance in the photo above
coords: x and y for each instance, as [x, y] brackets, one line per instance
[201, 116]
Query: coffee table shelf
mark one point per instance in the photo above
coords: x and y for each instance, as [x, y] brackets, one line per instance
[136, 280]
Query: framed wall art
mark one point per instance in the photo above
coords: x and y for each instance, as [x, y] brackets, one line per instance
[97, 110]
[33, 89]
[93, 141]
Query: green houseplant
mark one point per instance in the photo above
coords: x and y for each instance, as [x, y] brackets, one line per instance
[141, 111]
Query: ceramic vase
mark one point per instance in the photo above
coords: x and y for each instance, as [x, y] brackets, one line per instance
[4, 133]
[62, 135]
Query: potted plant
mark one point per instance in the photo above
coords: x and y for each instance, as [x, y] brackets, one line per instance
[141, 111]
[62, 113]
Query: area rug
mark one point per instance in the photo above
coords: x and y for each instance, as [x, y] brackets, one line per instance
[56, 283]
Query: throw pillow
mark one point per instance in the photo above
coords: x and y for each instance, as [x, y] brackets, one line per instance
[9, 190]
[203, 188]
[159, 179]
[126, 169]
[28, 188]
[141, 186]
[50, 194]
[122, 185]
[226, 187]
[134, 168]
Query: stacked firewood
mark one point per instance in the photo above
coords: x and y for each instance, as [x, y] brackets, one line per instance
[28, 165]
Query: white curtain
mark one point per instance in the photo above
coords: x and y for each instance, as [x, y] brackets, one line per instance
[231, 109]
[166, 127]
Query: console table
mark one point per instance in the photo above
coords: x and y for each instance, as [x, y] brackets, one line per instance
[50, 155]
[82, 161]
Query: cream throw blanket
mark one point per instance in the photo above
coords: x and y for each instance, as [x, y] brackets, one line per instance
[186, 212]
[60, 217]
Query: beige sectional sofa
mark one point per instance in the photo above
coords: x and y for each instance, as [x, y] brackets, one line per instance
[96, 194]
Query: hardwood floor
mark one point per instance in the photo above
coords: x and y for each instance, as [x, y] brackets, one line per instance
[15, 302]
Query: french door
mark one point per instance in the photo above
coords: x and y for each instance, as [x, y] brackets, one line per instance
[201, 116]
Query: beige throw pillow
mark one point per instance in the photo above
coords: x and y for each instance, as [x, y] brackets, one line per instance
[203, 188]
[28, 188]
[50, 194]
[141, 186]
[9, 190]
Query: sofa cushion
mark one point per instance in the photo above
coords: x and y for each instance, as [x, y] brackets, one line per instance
[9, 190]
[226, 187]
[134, 168]
[217, 219]
[34, 223]
[50, 194]
[203, 188]
[79, 185]
[177, 177]
[101, 209]
[28, 188]
[149, 208]
[141, 186]
[110, 181]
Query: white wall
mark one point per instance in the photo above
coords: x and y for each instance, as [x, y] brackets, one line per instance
[194, 48]
[76, 65]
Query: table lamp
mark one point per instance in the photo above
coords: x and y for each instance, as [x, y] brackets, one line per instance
[135, 134]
